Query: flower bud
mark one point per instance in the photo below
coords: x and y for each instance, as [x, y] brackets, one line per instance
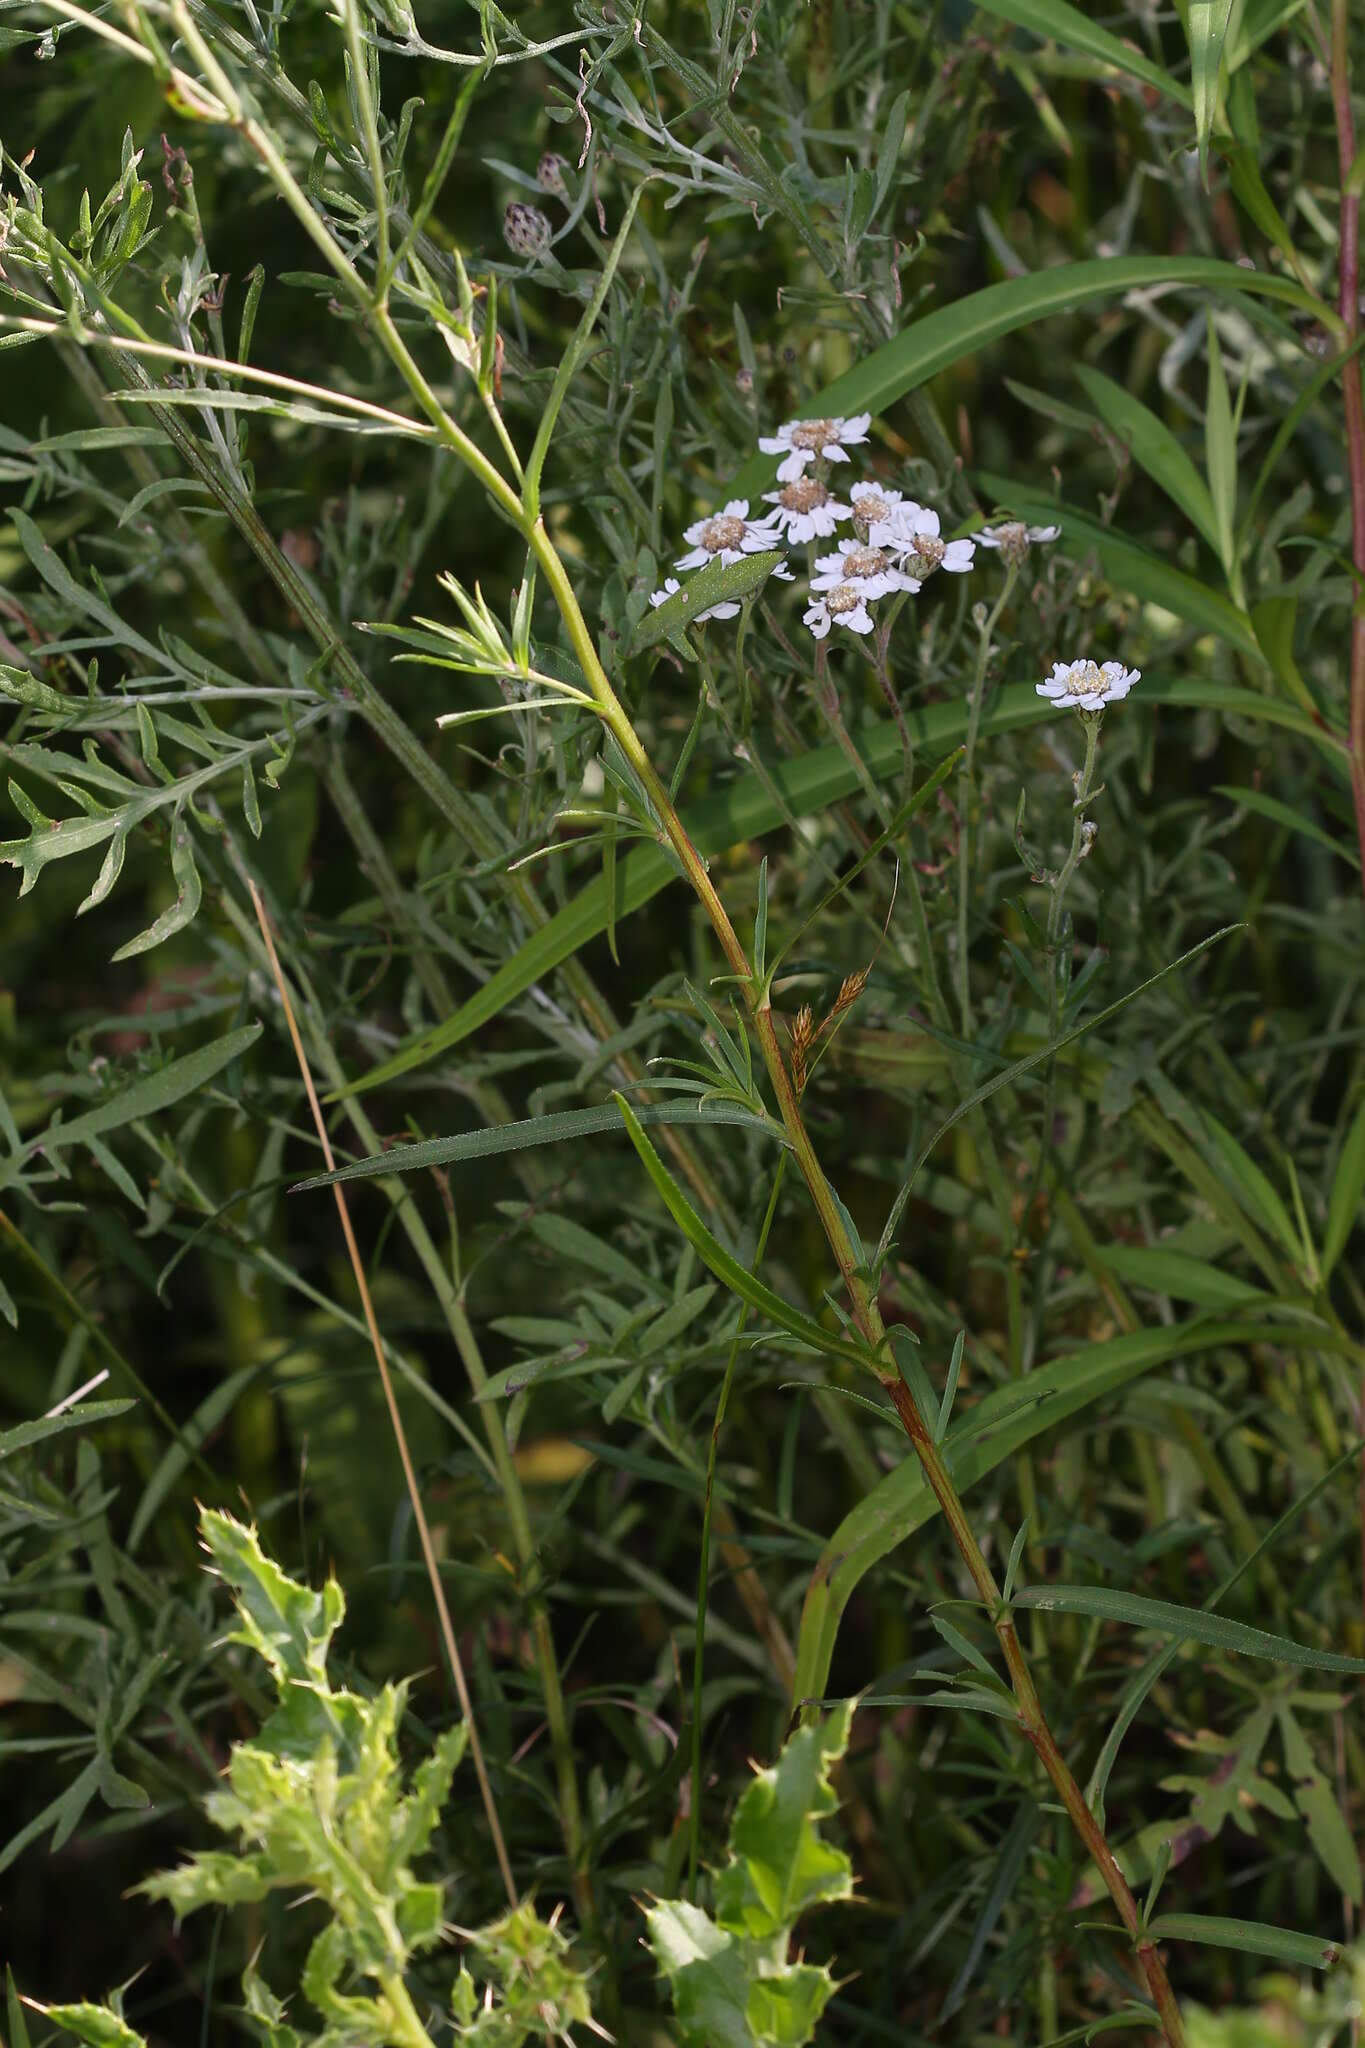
[550, 175]
[525, 229]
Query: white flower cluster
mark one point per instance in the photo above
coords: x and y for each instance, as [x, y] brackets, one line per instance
[894, 545]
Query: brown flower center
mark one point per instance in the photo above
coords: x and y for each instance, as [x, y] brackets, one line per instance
[1083, 679]
[812, 434]
[869, 507]
[805, 495]
[927, 556]
[864, 562]
[843, 598]
[725, 532]
[1012, 540]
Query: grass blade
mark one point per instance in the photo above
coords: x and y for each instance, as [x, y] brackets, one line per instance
[1207, 26]
[1057, 21]
[953, 332]
[1348, 1184]
[1187, 1624]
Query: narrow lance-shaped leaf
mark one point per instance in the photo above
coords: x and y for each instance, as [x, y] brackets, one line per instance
[561, 1127]
[1154, 448]
[1190, 1624]
[147, 1097]
[723, 1264]
[1207, 25]
[1057, 21]
[1348, 1185]
[1309, 1951]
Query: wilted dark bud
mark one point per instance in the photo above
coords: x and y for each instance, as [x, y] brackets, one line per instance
[550, 175]
[525, 229]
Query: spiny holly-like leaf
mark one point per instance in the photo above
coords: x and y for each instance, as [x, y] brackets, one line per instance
[288, 1624]
[706, 1974]
[732, 1982]
[779, 1865]
[98, 2025]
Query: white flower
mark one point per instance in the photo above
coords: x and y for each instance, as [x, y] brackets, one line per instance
[872, 503]
[799, 442]
[728, 535]
[1087, 685]
[671, 589]
[1014, 539]
[912, 534]
[806, 510]
[873, 572]
[844, 604]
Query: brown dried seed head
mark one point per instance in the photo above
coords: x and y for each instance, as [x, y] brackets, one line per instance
[803, 1033]
[849, 992]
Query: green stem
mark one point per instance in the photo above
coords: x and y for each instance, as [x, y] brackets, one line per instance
[704, 1559]
[865, 1314]
[978, 693]
[406, 2030]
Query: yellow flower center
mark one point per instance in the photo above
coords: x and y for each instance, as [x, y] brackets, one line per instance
[1083, 679]
[843, 598]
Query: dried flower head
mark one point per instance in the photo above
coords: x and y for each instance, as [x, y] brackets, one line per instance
[803, 1037]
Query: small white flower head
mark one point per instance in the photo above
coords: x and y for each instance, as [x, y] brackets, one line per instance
[671, 589]
[801, 442]
[1014, 539]
[804, 510]
[1088, 685]
[913, 536]
[725, 536]
[870, 569]
[872, 504]
[842, 604]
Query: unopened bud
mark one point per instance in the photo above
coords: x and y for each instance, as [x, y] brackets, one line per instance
[525, 229]
[550, 175]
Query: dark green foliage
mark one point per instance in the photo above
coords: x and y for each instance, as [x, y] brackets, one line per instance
[1098, 1144]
